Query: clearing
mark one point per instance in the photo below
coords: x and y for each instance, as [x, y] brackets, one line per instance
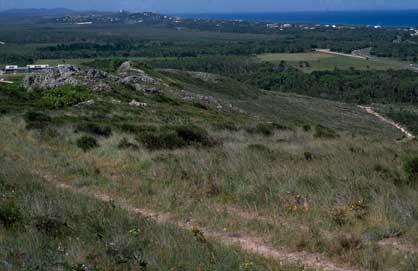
[321, 61]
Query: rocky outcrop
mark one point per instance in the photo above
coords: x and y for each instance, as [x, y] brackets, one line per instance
[68, 75]
[138, 79]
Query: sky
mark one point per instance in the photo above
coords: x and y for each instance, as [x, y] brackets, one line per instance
[203, 6]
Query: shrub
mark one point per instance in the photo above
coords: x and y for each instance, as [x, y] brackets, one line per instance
[36, 120]
[201, 105]
[324, 132]
[161, 140]
[228, 126]
[63, 96]
[165, 100]
[262, 128]
[410, 167]
[135, 129]
[193, 134]
[306, 128]
[125, 144]
[308, 156]
[87, 143]
[175, 137]
[266, 129]
[10, 214]
[94, 129]
[52, 226]
[259, 148]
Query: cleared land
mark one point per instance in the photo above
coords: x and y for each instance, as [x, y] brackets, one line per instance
[317, 61]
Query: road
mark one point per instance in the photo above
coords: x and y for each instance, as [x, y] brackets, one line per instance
[365, 53]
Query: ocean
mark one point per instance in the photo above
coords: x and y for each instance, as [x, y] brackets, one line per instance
[396, 18]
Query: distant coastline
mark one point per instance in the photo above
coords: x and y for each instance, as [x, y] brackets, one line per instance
[388, 18]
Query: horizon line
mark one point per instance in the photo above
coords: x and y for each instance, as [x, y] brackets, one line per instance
[217, 12]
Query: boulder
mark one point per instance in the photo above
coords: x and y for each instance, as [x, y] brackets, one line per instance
[137, 79]
[137, 104]
[125, 67]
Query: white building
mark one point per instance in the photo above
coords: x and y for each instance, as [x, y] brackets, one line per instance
[37, 67]
[11, 68]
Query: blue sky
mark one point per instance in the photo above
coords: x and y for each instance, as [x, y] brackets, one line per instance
[213, 5]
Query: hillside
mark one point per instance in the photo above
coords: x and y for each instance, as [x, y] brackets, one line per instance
[228, 176]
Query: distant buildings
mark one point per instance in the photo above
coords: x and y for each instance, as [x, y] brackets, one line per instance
[27, 68]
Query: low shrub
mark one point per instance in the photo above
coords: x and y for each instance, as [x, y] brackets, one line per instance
[125, 144]
[87, 143]
[324, 132]
[136, 129]
[410, 167]
[63, 96]
[175, 137]
[165, 99]
[201, 105]
[54, 227]
[259, 148]
[306, 128]
[226, 126]
[10, 213]
[95, 129]
[36, 120]
[266, 129]
[262, 128]
[308, 156]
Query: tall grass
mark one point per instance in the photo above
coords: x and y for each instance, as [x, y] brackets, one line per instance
[341, 202]
[45, 228]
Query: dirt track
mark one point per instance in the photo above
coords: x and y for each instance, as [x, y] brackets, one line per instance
[371, 111]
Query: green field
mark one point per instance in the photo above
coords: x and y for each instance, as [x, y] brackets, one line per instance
[315, 61]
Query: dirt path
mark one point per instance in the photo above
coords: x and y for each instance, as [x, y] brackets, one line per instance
[5, 82]
[328, 51]
[371, 111]
[395, 244]
[246, 243]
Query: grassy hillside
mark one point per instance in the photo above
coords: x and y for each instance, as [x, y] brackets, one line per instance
[309, 175]
[286, 108]
[47, 228]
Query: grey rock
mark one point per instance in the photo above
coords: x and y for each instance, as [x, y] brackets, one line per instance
[125, 67]
[137, 104]
[136, 79]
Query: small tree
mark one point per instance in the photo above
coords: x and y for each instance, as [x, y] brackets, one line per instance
[410, 166]
[87, 143]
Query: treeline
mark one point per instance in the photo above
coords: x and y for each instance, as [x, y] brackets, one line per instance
[169, 49]
[405, 51]
[349, 86]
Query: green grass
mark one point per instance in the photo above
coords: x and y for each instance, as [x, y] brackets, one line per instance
[321, 62]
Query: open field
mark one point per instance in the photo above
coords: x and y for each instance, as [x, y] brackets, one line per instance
[317, 61]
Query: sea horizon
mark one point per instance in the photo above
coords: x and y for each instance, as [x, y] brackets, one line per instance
[387, 18]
